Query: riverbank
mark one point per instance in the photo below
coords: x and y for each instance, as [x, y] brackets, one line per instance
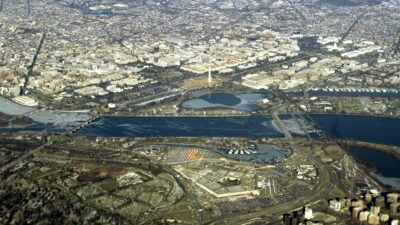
[380, 130]
[393, 150]
[13, 109]
[6, 120]
[380, 165]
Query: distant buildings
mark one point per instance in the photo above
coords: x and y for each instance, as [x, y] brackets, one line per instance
[335, 205]
[373, 208]
[306, 172]
[304, 217]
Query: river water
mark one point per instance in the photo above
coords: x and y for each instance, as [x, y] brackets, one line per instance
[387, 166]
[382, 130]
[41, 120]
[227, 126]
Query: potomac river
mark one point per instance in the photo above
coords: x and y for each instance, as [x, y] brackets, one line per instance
[382, 130]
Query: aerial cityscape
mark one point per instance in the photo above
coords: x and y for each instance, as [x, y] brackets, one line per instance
[200, 112]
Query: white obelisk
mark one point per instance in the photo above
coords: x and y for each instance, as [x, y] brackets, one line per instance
[209, 75]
